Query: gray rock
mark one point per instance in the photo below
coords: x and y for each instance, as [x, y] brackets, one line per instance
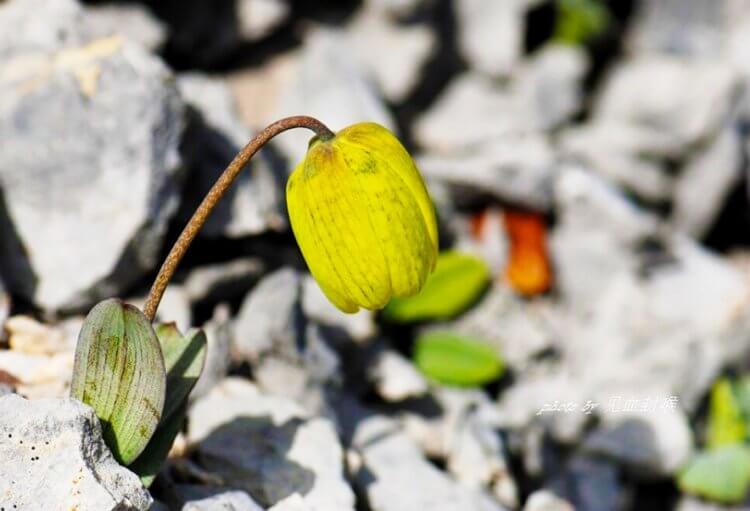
[359, 326]
[394, 54]
[517, 168]
[173, 308]
[225, 501]
[650, 443]
[658, 336]
[551, 84]
[470, 111]
[290, 356]
[691, 28]
[268, 447]
[475, 455]
[590, 484]
[490, 34]
[57, 443]
[131, 21]
[223, 281]
[396, 378]
[258, 18]
[255, 202]
[543, 500]
[218, 355]
[597, 235]
[107, 186]
[632, 157]
[33, 19]
[705, 182]
[389, 469]
[326, 83]
[688, 101]
[40, 361]
[270, 317]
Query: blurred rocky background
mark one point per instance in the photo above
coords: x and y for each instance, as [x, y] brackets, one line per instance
[592, 154]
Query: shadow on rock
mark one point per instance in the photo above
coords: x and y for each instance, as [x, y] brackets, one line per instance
[250, 453]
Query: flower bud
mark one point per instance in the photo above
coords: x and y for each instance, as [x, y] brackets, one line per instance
[362, 218]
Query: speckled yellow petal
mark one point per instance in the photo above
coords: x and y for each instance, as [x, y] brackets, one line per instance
[362, 218]
[335, 234]
[371, 137]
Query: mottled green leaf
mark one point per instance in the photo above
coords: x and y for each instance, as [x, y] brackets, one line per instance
[119, 372]
[149, 463]
[456, 360]
[184, 357]
[726, 424]
[721, 474]
[457, 282]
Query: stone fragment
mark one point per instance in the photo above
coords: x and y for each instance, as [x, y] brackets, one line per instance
[396, 378]
[393, 53]
[258, 18]
[54, 457]
[215, 134]
[543, 500]
[106, 188]
[218, 356]
[225, 501]
[490, 34]
[359, 326]
[515, 168]
[687, 100]
[395, 476]
[268, 447]
[223, 281]
[132, 21]
[705, 182]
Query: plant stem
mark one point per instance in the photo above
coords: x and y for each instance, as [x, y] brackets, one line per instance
[214, 196]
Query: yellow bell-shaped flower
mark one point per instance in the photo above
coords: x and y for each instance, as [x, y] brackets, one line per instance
[362, 217]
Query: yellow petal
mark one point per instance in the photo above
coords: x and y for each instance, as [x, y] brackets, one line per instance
[362, 218]
[372, 137]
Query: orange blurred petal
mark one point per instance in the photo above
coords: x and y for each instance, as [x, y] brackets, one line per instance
[528, 270]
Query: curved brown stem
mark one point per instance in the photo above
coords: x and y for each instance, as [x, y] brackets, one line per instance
[214, 196]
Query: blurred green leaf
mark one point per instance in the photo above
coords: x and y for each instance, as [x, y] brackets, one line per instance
[721, 474]
[119, 372]
[149, 463]
[726, 425]
[456, 360]
[457, 282]
[184, 357]
[579, 21]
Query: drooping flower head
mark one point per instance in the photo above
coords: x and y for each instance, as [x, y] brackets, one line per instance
[362, 217]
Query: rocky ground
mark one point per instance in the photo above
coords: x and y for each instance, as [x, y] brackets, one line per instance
[631, 151]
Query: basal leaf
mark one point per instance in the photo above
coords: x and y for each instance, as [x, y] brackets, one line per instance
[184, 357]
[721, 474]
[726, 424]
[455, 360]
[119, 372]
[457, 282]
[149, 463]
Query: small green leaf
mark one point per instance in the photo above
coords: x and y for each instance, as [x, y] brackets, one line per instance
[457, 282]
[184, 357]
[149, 463]
[721, 474]
[119, 372]
[726, 424]
[579, 21]
[455, 360]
